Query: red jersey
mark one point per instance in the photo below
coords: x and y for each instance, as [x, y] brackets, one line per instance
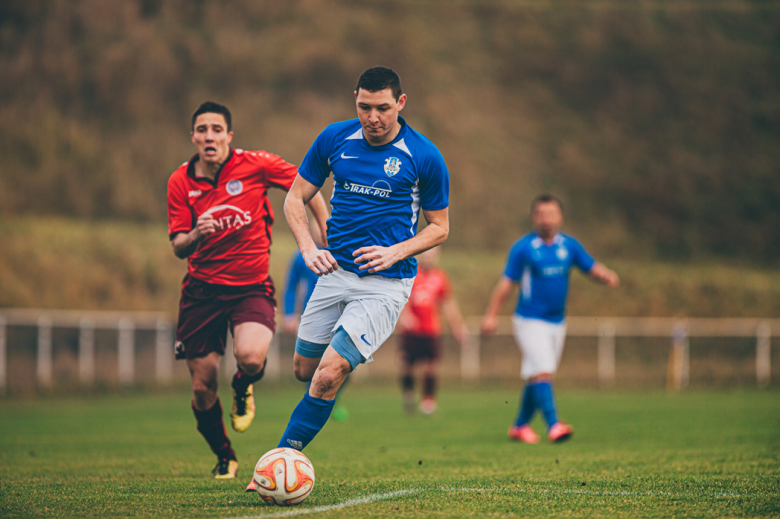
[431, 287]
[237, 253]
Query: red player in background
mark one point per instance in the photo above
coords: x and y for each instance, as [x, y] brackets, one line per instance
[219, 217]
[420, 328]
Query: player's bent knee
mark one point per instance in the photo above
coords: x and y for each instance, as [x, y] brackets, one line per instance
[303, 373]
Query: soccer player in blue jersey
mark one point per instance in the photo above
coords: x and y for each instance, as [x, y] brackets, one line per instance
[384, 173]
[540, 263]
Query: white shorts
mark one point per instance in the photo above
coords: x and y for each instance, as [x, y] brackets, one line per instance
[541, 344]
[367, 308]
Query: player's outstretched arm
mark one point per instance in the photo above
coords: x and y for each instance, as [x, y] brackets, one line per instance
[375, 258]
[602, 274]
[185, 244]
[302, 191]
[501, 292]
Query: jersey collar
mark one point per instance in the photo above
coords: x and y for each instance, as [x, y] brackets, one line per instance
[397, 142]
[538, 241]
[191, 169]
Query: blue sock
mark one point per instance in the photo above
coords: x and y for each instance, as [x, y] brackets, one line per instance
[545, 400]
[307, 419]
[527, 406]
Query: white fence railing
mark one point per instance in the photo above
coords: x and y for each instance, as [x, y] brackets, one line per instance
[606, 329]
[678, 330]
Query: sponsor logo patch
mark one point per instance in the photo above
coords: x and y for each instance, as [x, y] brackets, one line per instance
[380, 189]
[195, 192]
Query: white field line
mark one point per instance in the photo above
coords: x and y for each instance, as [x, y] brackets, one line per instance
[372, 498]
[327, 508]
[607, 494]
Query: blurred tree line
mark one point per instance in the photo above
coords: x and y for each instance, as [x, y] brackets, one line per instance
[657, 122]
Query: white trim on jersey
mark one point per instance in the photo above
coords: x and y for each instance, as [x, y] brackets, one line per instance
[401, 145]
[526, 283]
[358, 135]
[415, 204]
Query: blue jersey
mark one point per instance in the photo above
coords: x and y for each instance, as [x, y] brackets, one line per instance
[300, 284]
[543, 273]
[378, 191]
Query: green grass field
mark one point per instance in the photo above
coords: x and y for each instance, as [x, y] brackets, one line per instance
[700, 454]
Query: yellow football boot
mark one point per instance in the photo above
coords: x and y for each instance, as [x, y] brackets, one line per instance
[243, 411]
[225, 469]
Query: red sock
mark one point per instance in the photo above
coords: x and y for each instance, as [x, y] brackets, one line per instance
[211, 426]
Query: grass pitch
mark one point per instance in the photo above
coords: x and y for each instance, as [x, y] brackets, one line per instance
[700, 454]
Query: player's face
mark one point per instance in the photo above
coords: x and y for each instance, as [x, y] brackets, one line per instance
[547, 219]
[378, 114]
[212, 138]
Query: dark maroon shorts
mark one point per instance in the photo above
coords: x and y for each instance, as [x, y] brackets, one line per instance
[419, 347]
[206, 311]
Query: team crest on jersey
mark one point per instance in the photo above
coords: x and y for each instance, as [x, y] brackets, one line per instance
[392, 166]
[562, 253]
[234, 187]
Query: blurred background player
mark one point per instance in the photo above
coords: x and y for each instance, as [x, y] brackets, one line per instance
[297, 291]
[420, 328]
[384, 173]
[220, 219]
[540, 263]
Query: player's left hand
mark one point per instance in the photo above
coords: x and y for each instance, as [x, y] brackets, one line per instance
[376, 258]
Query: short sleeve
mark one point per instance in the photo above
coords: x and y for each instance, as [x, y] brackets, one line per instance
[179, 212]
[434, 183]
[278, 172]
[514, 262]
[315, 167]
[580, 256]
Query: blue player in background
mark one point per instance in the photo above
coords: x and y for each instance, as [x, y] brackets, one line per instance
[540, 263]
[384, 174]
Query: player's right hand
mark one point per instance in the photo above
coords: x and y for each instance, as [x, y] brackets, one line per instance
[320, 261]
[205, 226]
[489, 325]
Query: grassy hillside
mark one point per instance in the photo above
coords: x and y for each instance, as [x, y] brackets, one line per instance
[658, 121]
[61, 263]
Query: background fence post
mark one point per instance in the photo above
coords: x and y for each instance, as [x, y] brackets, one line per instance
[469, 358]
[606, 360]
[86, 351]
[44, 360]
[126, 351]
[229, 365]
[3, 357]
[163, 347]
[273, 363]
[678, 369]
[763, 354]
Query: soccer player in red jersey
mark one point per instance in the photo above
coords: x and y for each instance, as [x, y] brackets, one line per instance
[220, 218]
[420, 327]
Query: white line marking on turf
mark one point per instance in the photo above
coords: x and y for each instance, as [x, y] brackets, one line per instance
[605, 493]
[327, 508]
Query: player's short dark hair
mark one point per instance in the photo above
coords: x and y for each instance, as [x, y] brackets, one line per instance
[546, 198]
[380, 78]
[210, 107]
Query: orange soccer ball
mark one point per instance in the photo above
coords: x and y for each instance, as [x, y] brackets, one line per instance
[284, 477]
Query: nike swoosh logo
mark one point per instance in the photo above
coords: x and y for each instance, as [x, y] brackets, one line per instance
[347, 157]
[363, 337]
